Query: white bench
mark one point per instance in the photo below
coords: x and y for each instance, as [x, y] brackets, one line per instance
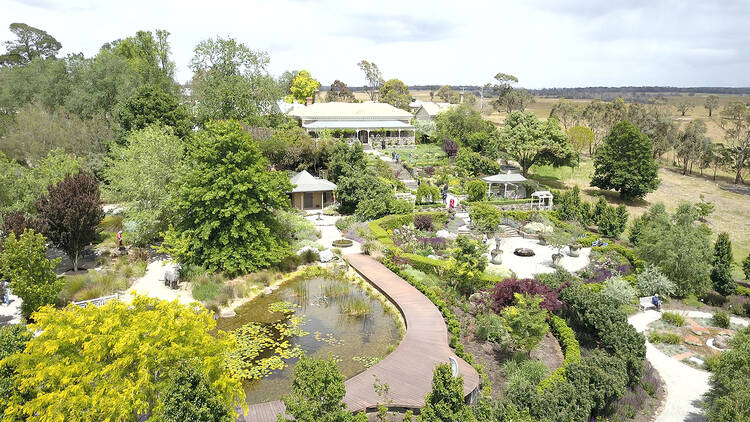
[645, 303]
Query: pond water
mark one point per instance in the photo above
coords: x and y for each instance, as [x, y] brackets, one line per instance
[353, 340]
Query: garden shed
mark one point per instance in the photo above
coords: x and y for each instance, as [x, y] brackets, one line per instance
[507, 185]
[311, 192]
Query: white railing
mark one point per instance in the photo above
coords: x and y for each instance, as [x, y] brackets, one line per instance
[98, 301]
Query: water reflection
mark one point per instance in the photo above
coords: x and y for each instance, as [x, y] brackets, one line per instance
[345, 336]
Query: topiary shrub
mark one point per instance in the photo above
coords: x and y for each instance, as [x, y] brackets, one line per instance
[476, 190]
[486, 218]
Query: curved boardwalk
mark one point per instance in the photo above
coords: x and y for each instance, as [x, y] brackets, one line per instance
[408, 369]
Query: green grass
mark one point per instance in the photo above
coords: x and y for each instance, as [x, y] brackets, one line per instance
[423, 155]
[673, 318]
[206, 287]
[95, 284]
[668, 338]
[336, 288]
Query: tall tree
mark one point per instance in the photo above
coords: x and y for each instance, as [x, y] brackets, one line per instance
[567, 113]
[735, 121]
[448, 94]
[317, 393]
[721, 266]
[581, 137]
[530, 141]
[303, 86]
[230, 81]
[113, 362]
[373, 77]
[395, 93]
[225, 206]
[509, 98]
[625, 163]
[30, 43]
[691, 143]
[32, 276]
[140, 175]
[340, 92]
[189, 396]
[147, 54]
[684, 107]
[71, 211]
[151, 105]
[712, 102]
[679, 245]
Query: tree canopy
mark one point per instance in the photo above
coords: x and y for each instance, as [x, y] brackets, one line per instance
[530, 141]
[625, 162]
[395, 93]
[140, 175]
[231, 81]
[224, 207]
[303, 86]
[113, 362]
[340, 92]
[373, 77]
[152, 105]
[32, 276]
[30, 43]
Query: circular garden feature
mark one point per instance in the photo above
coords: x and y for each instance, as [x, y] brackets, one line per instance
[524, 252]
[341, 243]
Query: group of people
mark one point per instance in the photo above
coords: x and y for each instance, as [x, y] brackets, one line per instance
[396, 157]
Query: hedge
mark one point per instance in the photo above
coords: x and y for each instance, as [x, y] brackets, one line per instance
[572, 349]
[627, 253]
[454, 326]
[497, 202]
[742, 290]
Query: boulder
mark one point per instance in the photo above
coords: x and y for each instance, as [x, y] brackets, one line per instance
[326, 256]
[305, 248]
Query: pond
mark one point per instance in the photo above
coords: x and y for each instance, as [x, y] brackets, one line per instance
[356, 342]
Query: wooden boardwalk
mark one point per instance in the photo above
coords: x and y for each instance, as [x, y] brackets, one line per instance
[408, 369]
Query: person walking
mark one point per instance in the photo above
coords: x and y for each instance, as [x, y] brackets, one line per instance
[5, 292]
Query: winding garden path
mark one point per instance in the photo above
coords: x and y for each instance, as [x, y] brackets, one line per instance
[685, 385]
[408, 369]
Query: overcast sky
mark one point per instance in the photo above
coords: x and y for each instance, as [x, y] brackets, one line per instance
[545, 43]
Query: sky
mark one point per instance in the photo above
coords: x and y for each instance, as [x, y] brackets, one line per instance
[545, 43]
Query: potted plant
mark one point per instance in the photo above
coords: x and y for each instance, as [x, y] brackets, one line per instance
[558, 240]
[574, 248]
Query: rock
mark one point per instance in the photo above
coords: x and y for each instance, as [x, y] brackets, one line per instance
[227, 313]
[326, 256]
[442, 233]
[433, 257]
[692, 340]
[305, 248]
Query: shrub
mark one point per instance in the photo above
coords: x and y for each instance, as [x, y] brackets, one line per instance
[450, 147]
[475, 164]
[476, 190]
[673, 318]
[486, 218]
[714, 299]
[668, 338]
[344, 223]
[651, 281]
[490, 328]
[525, 322]
[720, 319]
[309, 256]
[567, 339]
[427, 193]
[598, 318]
[503, 294]
[619, 291]
[423, 222]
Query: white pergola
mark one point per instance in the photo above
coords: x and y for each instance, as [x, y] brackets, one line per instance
[504, 179]
[542, 199]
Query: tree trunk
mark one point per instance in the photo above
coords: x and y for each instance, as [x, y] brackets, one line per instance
[75, 261]
[715, 172]
[709, 112]
[740, 163]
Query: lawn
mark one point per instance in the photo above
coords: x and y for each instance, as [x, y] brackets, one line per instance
[423, 155]
[730, 215]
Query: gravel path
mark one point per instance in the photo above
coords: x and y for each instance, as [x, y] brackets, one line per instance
[11, 313]
[152, 285]
[685, 385]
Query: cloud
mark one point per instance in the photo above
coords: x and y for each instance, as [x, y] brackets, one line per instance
[390, 27]
[66, 6]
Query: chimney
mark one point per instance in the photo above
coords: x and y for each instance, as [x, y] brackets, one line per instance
[308, 101]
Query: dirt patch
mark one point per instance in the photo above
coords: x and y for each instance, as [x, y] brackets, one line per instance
[549, 352]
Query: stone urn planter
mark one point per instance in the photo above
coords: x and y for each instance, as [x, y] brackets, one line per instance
[542, 240]
[497, 256]
[498, 241]
[574, 250]
[556, 257]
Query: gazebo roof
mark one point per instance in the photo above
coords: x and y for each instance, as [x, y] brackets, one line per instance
[306, 182]
[505, 178]
[542, 194]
